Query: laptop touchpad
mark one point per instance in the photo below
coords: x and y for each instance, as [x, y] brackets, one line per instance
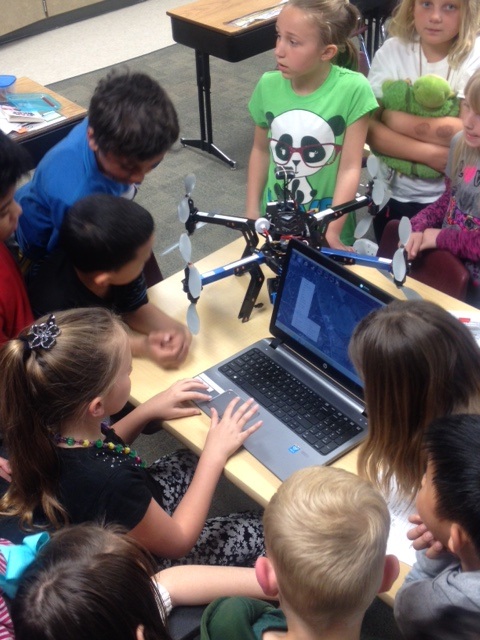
[221, 402]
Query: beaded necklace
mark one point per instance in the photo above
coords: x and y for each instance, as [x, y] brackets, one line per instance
[100, 444]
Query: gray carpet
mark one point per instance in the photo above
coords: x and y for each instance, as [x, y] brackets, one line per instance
[218, 189]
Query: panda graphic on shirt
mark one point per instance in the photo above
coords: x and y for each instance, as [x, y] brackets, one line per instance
[305, 142]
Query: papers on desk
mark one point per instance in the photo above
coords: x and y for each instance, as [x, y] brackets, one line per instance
[257, 16]
[398, 543]
[10, 120]
[470, 320]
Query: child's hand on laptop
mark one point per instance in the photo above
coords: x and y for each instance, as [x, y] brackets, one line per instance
[227, 434]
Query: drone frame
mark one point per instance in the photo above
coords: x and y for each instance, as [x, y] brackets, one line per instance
[272, 228]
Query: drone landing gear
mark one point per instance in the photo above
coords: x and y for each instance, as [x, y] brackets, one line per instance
[256, 281]
[205, 112]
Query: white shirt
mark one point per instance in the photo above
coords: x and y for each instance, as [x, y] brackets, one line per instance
[397, 60]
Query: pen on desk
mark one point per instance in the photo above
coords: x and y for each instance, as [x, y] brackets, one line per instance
[49, 102]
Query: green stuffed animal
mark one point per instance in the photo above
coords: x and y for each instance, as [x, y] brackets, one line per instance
[429, 96]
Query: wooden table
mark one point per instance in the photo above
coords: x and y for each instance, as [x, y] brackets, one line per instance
[39, 141]
[222, 335]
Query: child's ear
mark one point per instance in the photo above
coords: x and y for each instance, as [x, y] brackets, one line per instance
[139, 633]
[458, 539]
[91, 140]
[102, 278]
[96, 408]
[266, 577]
[391, 569]
[329, 52]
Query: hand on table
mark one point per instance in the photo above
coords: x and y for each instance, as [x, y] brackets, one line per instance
[168, 348]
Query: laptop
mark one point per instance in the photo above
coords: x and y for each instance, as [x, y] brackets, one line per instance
[310, 396]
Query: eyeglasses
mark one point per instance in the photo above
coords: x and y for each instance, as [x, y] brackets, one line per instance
[313, 155]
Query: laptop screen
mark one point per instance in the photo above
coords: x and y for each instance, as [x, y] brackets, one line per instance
[318, 305]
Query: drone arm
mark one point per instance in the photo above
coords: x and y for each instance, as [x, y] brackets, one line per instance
[245, 225]
[347, 257]
[325, 217]
[238, 267]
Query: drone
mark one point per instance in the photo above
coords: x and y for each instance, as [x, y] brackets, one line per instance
[266, 241]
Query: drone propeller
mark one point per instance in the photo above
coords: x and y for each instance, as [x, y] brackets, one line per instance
[184, 206]
[380, 192]
[400, 259]
[193, 283]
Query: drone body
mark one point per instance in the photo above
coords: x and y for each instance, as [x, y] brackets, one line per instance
[282, 222]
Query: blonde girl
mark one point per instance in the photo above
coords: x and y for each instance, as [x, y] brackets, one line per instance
[428, 37]
[60, 380]
[310, 114]
[417, 363]
[453, 221]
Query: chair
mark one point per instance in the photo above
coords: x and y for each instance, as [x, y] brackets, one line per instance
[184, 622]
[436, 267]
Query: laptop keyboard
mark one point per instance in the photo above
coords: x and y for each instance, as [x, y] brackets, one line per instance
[305, 412]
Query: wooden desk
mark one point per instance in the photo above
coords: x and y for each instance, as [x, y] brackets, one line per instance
[222, 335]
[205, 25]
[40, 141]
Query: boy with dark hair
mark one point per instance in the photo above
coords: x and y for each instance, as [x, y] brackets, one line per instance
[104, 244]
[448, 504]
[131, 124]
[15, 312]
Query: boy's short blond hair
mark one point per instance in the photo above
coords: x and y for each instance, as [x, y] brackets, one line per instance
[326, 533]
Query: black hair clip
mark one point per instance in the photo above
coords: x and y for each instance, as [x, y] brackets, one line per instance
[43, 335]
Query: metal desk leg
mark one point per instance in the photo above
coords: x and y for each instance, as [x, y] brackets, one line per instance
[205, 112]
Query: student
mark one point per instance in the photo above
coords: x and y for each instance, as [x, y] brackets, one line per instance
[15, 312]
[417, 363]
[67, 375]
[436, 37]
[89, 582]
[310, 114]
[104, 243]
[448, 503]
[453, 221]
[131, 125]
[95, 581]
[326, 532]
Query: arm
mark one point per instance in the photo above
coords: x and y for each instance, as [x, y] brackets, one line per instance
[174, 402]
[175, 536]
[348, 176]
[165, 341]
[427, 590]
[463, 244]
[427, 223]
[439, 131]
[200, 584]
[390, 143]
[257, 172]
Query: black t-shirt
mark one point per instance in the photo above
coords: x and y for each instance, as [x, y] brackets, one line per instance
[55, 286]
[102, 485]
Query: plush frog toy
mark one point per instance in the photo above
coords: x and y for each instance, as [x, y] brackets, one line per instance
[429, 96]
